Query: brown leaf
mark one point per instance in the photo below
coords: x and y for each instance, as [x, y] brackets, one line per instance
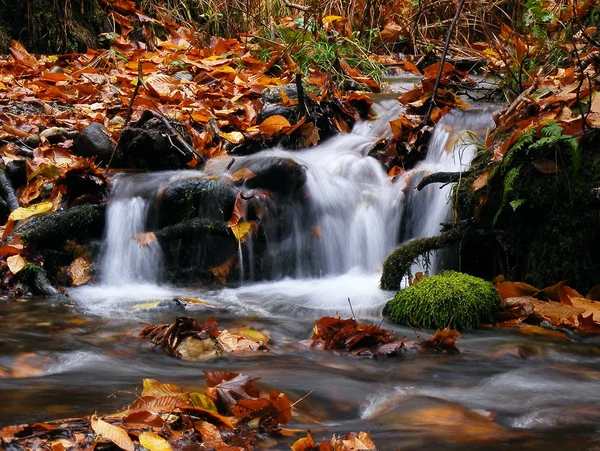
[112, 433]
[443, 340]
[515, 289]
[481, 181]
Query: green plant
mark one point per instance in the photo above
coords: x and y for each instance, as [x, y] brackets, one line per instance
[447, 299]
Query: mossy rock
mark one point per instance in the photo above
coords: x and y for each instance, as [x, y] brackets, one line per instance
[448, 299]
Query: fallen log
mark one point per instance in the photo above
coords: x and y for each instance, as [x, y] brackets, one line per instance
[441, 177]
[399, 262]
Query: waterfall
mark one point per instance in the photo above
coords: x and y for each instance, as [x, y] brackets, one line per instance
[124, 260]
[350, 218]
[451, 149]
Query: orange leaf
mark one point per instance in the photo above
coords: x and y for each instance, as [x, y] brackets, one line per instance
[481, 181]
[273, 125]
[515, 289]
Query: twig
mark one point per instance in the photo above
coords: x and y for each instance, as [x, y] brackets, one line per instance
[140, 81]
[442, 61]
[296, 6]
[300, 89]
[351, 310]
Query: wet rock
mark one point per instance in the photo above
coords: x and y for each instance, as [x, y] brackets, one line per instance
[277, 110]
[194, 350]
[16, 171]
[56, 135]
[280, 175]
[273, 94]
[35, 282]
[32, 140]
[117, 121]
[192, 247]
[198, 197]
[148, 144]
[94, 141]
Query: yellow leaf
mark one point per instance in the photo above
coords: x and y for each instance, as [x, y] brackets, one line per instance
[2, 86]
[146, 305]
[15, 263]
[241, 229]
[194, 300]
[201, 400]
[255, 335]
[232, 137]
[154, 442]
[273, 124]
[329, 19]
[36, 209]
[112, 433]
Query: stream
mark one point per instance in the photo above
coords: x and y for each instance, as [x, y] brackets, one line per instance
[505, 389]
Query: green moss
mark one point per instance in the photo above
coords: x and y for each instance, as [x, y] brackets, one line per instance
[448, 299]
[540, 226]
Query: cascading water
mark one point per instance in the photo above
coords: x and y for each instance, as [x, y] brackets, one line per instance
[350, 217]
[451, 149]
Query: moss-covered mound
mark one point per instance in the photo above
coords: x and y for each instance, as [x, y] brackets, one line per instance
[450, 298]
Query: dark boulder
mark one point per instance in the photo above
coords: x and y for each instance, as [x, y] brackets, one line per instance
[198, 197]
[94, 141]
[149, 144]
[280, 175]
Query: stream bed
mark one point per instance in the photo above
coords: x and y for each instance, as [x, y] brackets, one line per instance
[505, 389]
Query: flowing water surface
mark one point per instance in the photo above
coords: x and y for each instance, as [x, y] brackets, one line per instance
[504, 390]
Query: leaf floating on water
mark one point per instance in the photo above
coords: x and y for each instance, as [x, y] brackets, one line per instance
[15, 263]
[255, 335]
[242, 174]
[28, 212]
[147, 305]
[146, 238]
[154, 442]
[232, 342]
[112, 433]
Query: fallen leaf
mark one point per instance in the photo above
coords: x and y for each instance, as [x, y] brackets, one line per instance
[112, 433]
[15, 263]
[273, 124]
[80, 271]
[154, 442]
[36, 209]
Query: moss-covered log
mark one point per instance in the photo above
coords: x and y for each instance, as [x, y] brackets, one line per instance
[399, 262]
[83, 222]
